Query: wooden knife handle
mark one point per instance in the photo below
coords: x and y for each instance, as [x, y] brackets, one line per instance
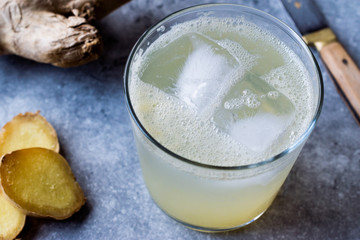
[345, 73]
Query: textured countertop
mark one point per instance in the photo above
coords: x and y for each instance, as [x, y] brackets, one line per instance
[319, 200]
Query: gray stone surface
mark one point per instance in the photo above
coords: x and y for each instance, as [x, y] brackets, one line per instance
[319, 200]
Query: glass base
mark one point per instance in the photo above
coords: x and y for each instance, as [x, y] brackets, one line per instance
[212, 230]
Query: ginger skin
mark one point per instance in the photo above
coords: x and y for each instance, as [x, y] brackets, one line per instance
[57, 32]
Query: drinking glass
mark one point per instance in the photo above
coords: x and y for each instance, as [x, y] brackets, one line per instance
[215, 198]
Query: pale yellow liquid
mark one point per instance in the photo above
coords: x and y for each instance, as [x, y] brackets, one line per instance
[260, 79]
[213, 203]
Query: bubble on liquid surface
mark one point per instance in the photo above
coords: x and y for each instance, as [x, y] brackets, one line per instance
[273, 94]
[161, 29]
[248, 99]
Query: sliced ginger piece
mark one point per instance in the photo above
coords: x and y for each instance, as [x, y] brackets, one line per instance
[24, 131]
[40, 182]
[12, 219]
[28, 130]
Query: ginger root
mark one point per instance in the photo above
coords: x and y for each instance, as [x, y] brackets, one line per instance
[56, 32]
[12, 220]
[28, 130]
[40, 182]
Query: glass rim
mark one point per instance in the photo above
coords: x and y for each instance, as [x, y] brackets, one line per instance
[250, 10]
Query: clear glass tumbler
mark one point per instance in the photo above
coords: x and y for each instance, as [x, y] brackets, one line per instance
[212, 198]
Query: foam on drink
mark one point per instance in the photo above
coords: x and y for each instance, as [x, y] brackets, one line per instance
[208, 94]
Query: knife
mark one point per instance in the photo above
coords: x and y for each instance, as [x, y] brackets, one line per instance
[313, 27]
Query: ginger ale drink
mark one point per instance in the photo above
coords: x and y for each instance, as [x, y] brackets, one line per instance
[222, 99]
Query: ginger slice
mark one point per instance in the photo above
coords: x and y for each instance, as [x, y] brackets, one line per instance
[12, 220]
[28, 130]
[40, 182]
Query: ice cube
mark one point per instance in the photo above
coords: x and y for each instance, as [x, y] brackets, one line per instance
[254, 113]
[259, 132]
[205, 72]
[164, 64]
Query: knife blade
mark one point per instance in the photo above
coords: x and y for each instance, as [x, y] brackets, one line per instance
[312, 25]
